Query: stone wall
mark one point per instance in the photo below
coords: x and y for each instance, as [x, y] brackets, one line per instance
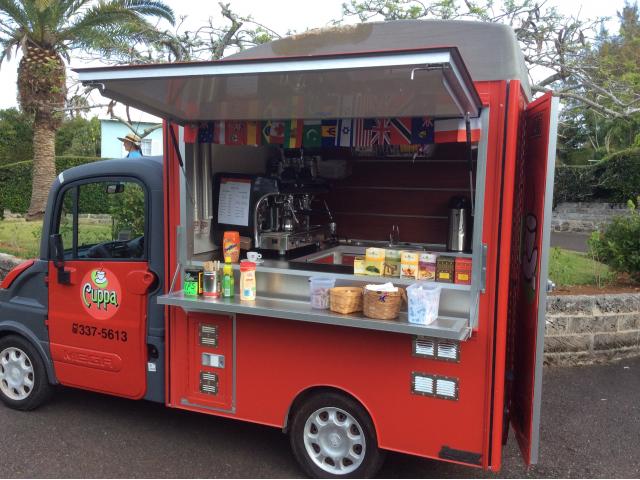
[591, 328]
[584, 217]
[7, 262]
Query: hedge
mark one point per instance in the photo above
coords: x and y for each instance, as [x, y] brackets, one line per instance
[615, 179]
[15, 182]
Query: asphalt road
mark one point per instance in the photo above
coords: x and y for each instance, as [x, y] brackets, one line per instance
[570, 241]
[590, 428]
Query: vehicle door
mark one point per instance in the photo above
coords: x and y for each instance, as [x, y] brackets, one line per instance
[98, 293]
[530, 270]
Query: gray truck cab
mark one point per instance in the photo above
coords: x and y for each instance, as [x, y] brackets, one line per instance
[32, 304]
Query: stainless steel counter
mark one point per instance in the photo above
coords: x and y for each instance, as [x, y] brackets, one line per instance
[449, 327]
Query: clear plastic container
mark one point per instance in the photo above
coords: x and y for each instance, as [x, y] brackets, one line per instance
[319, 291]
[424, 301]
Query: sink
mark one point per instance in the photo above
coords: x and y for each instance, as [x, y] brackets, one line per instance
[344, 253]
[396, 246]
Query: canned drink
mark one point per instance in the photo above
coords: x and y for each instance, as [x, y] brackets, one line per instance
[212, 285]
[192, 282]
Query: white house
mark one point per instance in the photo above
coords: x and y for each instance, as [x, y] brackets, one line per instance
[111, 147]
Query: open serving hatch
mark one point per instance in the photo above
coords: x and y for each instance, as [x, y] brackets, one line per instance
[403, 83]
[425, 82]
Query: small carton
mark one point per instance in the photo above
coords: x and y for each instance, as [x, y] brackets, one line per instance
[374, 261]
[427, 266]
[409, 265]
[359, 267]
[463, 271]
[392, 263]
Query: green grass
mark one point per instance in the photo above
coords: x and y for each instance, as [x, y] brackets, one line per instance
[22, 239]
[567, 268]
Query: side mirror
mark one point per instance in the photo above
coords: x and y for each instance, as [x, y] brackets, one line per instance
[56, 252]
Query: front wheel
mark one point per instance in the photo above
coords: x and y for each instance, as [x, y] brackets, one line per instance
[332, 436]
[23, 377]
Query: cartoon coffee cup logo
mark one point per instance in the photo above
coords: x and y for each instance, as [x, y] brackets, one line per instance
[101, 293]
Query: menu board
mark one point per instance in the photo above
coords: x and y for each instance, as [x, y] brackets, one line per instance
[233, 201]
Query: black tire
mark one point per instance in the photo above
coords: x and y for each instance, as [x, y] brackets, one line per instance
[373, 456]
[41, 389]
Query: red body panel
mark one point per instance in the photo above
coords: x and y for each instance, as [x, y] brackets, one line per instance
[15, 272]
[515, 104]
[536, 138]
[276, 360]
[189, 346]
[99, 343]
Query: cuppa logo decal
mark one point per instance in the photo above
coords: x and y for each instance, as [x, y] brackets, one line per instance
[101, 293]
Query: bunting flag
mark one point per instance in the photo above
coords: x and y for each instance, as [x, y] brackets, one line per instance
[205, 133]
[328, 133]
[455, 130]
[375, 131]
[400, 131]
[345, 132]
[312, 134]
[237, 132]
[422, 131]
[190, 133]
[287, 133]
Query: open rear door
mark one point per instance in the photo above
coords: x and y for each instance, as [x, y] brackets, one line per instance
[529, 292]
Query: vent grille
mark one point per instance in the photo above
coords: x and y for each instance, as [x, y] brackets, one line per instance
[422, 385]
[434, 386]
[208, 335]
[447, 388]
[437, 349]
[209, 383]
[448, 350]
[424, 347]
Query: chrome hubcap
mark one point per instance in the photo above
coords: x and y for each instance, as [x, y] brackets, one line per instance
[16, 374]
[334, 440]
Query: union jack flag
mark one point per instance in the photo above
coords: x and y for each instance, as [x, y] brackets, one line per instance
[373, 131]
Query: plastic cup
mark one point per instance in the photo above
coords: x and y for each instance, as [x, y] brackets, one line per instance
[319, 291]
[424, 302]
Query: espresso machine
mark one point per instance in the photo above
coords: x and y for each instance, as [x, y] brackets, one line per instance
[280, 215]
[284, 221]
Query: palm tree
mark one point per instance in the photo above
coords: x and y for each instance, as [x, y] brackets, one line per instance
[46, 32]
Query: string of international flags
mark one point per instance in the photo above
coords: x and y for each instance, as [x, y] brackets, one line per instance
[347, 132]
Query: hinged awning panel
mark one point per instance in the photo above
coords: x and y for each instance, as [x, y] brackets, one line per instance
[432, 82]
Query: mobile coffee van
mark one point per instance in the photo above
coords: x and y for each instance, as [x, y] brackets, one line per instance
[314, 148]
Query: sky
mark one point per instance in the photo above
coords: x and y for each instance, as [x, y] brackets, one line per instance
[283, 16]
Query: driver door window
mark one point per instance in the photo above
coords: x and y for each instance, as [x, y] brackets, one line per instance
[103, 220]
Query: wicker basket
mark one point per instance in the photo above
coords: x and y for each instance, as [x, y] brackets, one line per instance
[383, 305]
[345, 299]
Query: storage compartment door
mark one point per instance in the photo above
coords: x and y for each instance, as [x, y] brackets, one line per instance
[529, 312]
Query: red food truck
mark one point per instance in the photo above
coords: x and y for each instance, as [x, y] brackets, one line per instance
[409, 136]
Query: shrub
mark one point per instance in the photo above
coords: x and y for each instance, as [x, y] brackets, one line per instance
[617, 177]
[15, 181]
[614, 179]
[573, 184]
[619, 244]
[127, 210]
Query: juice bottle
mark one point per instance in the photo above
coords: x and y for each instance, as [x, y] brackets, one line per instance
[247, 280]
[228, 286]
